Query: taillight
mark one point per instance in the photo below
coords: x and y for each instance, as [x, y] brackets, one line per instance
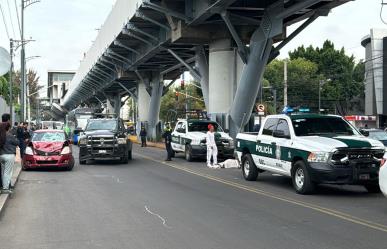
[29, 151]
[65, 150]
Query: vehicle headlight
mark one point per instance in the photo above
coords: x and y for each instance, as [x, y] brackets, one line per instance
[121, 140]
[65, 150]
[29, 151]
[82, 141]
[319, 157]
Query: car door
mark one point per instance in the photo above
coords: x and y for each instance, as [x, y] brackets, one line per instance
[265, 150]
[283, 142]
[177, 137]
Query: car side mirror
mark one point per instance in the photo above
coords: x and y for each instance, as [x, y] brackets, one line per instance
[365, 133]
[280, 134]
[226, 130]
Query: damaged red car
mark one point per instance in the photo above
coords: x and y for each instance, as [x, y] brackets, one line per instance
[48, 148]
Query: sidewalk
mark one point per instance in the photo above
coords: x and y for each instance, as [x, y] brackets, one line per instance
[16, 172]
[159, 145]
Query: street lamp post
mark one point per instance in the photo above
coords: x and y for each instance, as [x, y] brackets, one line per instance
[28, 102]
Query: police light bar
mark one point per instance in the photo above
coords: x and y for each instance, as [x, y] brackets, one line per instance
[290, 110]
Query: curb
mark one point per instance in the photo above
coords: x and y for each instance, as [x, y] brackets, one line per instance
[152, 144]
[15, 177]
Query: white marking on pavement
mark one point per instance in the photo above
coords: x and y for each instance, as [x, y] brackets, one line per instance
[159, 216]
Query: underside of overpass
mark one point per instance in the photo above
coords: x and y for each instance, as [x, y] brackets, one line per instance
[225, 44]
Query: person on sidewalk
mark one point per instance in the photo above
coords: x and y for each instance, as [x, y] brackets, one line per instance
[143, 135]
[212, 150]
[7, 158]
[168, 139]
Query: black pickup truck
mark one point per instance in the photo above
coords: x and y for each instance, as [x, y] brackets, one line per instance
[105, 139]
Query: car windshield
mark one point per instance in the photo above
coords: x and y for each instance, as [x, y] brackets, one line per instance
[94, 125]
[319, 126]
[203, 126]
[378, 135]
[48, 137]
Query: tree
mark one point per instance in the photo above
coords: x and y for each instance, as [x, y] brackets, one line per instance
[33, 87]
[342, 76]
[168, 101]
[302, 83]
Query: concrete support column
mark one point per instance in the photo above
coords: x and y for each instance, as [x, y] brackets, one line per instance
[143, 101]
[202, 65]
[117, 104]
[260, 47]
[225, 67]
[154, 106]
[109, 105]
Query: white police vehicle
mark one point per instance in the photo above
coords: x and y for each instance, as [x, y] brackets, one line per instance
[189, 137]
[311, 149]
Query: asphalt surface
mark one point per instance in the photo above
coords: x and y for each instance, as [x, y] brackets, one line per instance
[152, 204]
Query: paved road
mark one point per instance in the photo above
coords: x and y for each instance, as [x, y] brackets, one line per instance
[150, 204]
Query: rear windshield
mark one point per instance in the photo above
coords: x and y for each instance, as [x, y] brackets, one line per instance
[48, 137]
[203, 126]
[322, 126]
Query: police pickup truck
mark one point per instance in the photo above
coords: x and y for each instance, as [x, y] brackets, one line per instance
[189, 137]
[311, 149]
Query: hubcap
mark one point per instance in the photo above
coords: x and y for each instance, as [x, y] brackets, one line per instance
[246, 168]
[299, 178]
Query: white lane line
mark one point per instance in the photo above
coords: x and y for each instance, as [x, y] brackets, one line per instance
[159, 216]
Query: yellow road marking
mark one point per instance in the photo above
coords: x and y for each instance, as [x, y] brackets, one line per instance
[321, 209]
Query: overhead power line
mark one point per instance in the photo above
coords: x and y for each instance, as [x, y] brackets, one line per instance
[17, 15]
[10, 18]
[5, 23]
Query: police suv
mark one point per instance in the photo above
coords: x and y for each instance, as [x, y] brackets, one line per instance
[189, 137]
[311, 149]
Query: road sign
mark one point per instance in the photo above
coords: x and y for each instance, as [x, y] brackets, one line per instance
[260, 109]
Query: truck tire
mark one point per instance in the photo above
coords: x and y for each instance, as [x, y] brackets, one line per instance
[249, 169]
[130, 156]
[301, 179]
[188, 153]
[82, 162]
[173, 153]
[372, 187]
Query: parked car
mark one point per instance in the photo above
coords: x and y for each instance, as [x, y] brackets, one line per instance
[376, 134]
[48, 148]
[189, 137]
[311, 149]
[383, 178]
[105, 139]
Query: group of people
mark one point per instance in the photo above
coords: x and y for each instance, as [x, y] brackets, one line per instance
[212, 150]
[10, 139]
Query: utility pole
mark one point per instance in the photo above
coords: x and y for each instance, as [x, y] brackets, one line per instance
[275, 100]
[11, 81]
[285, 82]
[22, 66]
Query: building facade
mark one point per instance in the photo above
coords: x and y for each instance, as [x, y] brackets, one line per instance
[58, 83]
[375, 45]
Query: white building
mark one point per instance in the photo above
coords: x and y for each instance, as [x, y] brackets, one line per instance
[375, 45]
[58, 83]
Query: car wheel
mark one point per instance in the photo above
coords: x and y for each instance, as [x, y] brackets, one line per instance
[173, 153]
[69, 168]
[188, 153]
[249, 169]
[301, 179]
[130, 157]
[372, 187]
[125, 159]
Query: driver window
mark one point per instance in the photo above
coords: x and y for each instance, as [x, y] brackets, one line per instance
[183, 128]
[283, 126]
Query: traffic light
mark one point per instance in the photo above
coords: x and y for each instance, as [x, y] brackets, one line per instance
[177, 96]
[182, 86]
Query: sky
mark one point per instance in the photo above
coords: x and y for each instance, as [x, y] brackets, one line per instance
[65, 30]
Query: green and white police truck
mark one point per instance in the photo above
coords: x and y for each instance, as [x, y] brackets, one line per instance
[311, 149]
[189, 137]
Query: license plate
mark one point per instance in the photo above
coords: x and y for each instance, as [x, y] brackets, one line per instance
[102, 151]
[364, 176]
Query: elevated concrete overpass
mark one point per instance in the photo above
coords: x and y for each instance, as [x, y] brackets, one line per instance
[225, 44]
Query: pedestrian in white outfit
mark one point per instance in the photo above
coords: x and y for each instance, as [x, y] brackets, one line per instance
[212, 150]
[7, 157]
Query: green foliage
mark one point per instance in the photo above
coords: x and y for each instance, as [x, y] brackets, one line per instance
[4, 89]
[168, 101]
[343, 77]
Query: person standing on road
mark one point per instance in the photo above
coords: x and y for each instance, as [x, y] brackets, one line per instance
[22, 135]
[7, 157]
[168, 140]
[212, 150]
[143, 135]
